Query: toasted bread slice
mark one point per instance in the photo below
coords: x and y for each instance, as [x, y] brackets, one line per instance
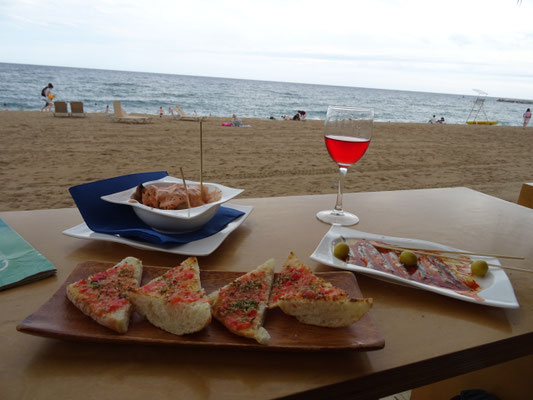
[241, 304]
[103, 296]
[312, 300]
[175, 301]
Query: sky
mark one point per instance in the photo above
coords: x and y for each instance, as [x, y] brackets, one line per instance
[451, 46]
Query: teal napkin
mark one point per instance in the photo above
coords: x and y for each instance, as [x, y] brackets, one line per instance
[19, 262]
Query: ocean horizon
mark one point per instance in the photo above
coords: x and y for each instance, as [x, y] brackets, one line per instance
[144, 92]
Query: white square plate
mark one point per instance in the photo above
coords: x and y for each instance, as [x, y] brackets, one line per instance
[495, 288]
[202, 247]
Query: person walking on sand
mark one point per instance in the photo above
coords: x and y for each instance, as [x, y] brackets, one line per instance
[46, 94]
[161, 112]
[527, 117]
[48, 107]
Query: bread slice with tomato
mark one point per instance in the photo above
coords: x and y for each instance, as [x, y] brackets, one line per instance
[241, 304]
[104, 296]
[312, 300]
[175, 301]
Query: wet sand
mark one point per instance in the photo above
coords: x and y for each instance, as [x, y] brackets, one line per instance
[42, 156]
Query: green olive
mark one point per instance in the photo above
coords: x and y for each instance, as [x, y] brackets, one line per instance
[479, 267]
[408, 258]
[341, 251]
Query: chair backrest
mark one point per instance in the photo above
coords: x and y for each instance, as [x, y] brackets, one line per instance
[526, 195]
[180, 111]
[76, 107]
[60, 107]
[117, 109]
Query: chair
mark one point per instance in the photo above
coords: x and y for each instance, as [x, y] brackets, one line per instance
[122, 116]
[61, 109]
[76, 109]
[182, 116]
[526, 195]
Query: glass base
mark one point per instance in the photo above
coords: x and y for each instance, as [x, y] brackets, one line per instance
[337, 217]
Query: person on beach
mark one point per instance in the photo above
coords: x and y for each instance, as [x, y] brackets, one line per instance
[299, 116]
[161, 112]
[46, 93]
[433, 120]
[527, 117]
[441, 120]
[107, 109]
[48, 107]
[236, 121]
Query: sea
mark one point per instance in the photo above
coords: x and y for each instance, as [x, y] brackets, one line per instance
[143, 92]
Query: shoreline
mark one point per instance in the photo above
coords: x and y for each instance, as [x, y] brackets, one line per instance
[43, 156]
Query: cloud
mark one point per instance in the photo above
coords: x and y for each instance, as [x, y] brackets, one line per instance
[374, 43]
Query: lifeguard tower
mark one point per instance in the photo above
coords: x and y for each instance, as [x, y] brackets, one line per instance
[478, 107]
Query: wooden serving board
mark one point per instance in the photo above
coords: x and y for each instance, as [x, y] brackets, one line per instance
[59, 318]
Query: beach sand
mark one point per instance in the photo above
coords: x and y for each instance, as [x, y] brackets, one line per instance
[42, 156]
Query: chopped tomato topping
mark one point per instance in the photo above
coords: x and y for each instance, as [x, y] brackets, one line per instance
[105, 291]
[177, 285]
[242, 299]
[300, 282]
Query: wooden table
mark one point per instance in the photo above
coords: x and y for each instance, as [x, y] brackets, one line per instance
[428, 337]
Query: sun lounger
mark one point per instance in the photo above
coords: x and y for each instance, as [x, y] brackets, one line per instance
[122, 116]
[76, 109]
[61, 109]
[182, 116]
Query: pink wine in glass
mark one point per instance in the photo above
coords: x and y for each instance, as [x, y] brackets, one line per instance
[346, 150]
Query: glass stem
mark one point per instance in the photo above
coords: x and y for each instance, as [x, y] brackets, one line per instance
[340, 186]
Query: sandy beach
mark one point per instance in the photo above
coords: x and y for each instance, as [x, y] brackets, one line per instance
[42, 156]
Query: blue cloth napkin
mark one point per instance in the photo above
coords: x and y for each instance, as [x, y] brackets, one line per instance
[117, 219]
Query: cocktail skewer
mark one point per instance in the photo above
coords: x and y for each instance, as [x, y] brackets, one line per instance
[498, 266]
[454, 260]
[467, 253]
[185, 186]
[201, 162]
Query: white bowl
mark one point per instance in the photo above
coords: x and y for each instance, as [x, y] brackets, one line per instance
[174, 221]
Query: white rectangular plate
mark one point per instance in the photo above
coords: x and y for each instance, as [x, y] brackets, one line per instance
[202, 247]
[496, 289]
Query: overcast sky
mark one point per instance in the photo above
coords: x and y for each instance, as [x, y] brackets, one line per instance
[448, 46]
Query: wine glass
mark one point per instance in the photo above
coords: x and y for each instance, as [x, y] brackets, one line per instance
[347, 132]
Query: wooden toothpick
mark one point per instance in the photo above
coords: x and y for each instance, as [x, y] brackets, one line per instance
[201, 162]
[186, 190]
